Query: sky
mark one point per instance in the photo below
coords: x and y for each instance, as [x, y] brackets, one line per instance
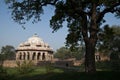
[13, 34]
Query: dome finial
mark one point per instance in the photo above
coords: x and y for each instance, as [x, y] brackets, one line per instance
[35, 34]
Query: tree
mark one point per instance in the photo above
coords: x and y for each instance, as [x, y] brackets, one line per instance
[65, 53]
[116, 38]
[105, 38]
[109, 38]
[83, 18]
[8, 52]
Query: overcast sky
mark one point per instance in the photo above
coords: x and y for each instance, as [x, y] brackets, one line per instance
[13, 34]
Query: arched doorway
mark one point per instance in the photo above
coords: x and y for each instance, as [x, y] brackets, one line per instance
[28, 55]
[43, 56]
[24, 56]
[33, 56]
[38, 56]
[20, 56]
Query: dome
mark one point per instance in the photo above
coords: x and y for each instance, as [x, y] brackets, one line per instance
[34, 43]
[35, 40]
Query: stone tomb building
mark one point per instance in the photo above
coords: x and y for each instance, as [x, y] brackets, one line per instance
[34, 49]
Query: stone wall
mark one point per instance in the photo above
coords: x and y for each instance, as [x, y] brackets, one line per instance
[9, 63]
[64, 63]
[12, 63]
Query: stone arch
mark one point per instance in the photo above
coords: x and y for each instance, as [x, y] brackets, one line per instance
[33, 56]
[43, 56]
[24, 55]
[38, 56]
[97, 57]
[28, 55]
[20, 56]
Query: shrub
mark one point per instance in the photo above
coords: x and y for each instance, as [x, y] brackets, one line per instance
[24, 67]
[115, 65]
[49, 68]
[115, 61]
[103, 65]
[3, 73]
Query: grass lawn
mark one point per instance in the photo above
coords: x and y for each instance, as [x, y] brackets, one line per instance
[58, 74]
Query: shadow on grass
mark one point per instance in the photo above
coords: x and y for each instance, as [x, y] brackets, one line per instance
[101, 75]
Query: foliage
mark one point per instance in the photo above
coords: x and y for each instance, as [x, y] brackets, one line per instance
[112, 65]
[103, 65]
[109, 38]
[65, 53]
[7, 52]
[1, 59]
[40, 74]
[2, 69]
[61, 53]
[3, 73]
[49, 68]
[100, 75]
[115, 65]
[24, 67]
[115, 61]
[83, 18]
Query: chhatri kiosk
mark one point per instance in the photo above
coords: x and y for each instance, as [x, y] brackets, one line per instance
[34, 49]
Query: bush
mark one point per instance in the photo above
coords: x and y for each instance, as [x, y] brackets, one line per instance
[3, 73]
[115, 65]
[112, 65]
[49, 68]
[115, 61]
[24, 67]
[103, 65]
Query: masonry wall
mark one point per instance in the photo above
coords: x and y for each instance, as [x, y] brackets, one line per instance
[9, 63]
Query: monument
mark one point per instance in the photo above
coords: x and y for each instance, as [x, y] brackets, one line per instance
[34, 49]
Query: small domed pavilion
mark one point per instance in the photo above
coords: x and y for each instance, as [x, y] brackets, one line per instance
[34, 49]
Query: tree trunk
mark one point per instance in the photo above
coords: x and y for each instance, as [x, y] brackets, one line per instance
[90, 58]
[90, 43]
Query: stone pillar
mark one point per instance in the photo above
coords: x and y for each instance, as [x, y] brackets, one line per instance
[36, 54]
[19, 55]
[31, 55]
[51, 56]
[26, 57]
[41, 54]
[22, 55]
[16, 56]
[46, 56]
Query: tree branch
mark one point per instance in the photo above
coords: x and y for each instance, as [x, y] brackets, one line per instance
[110, 9]
[78, 10]
[84, 28]
[50, 3]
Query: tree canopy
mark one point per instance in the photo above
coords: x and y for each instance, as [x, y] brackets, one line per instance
[7, 52]
[83, 18]
[66, 53]
[110, 38]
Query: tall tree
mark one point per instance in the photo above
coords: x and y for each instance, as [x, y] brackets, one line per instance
[83, 17]
[109, 39]
[65, 53]
[8, 52]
